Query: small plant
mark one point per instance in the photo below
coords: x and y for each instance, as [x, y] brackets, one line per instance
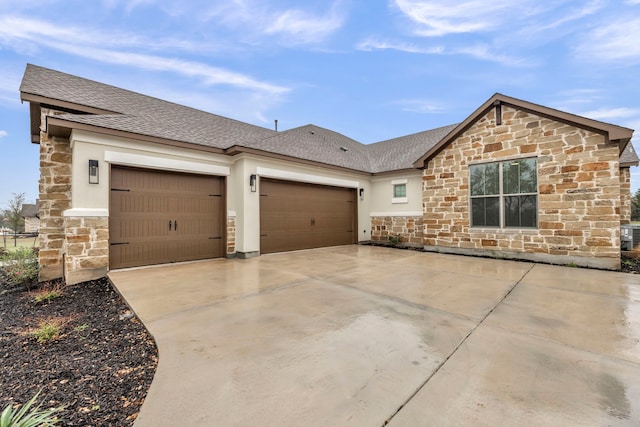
[81, 328]
[47, 330]
[572, 264]
[29, 416]
[394, 240]
[21, 266]
[47, 294]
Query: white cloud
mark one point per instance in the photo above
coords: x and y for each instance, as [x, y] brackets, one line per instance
[15, 30]
[103, 47]
[305, 27]
[612, 113]
[3, 133]
[422, 106]
[293, 26]
[208, 74]
[615, 41]
[371, 44]
[478, 51]
[441, 17]
[558, 20]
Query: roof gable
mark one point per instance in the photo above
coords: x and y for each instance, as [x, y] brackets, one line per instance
[613, 133]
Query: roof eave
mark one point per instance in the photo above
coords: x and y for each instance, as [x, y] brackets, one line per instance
[238, 149]
[62, 128]
[65, 105]
[396, 171]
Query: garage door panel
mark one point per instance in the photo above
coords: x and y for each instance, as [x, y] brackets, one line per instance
[158, 217]
[296, 216]
[139, 254]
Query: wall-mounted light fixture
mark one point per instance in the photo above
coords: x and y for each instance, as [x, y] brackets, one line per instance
[252, 182]
[361, 191]
[93, 172]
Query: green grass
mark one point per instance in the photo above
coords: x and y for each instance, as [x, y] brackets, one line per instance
[27, 242]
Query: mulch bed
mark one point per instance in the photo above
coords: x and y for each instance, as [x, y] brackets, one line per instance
[102, 364]
[100, 367]
[630, 262]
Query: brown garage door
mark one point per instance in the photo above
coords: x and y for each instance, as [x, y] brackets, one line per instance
[297, 216]
[158, 217]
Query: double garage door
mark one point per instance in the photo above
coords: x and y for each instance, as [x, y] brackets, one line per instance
[160, 217]
[297, 216]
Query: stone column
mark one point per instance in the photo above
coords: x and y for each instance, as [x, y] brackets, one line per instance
[55, 198]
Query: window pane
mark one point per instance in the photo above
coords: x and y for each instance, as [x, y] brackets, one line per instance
[511, 177]
[493, 210]
[477, 212]
[512, 211]
[528, 176]
[519, 176]
[485, 212]
[484, 179]
[476, 179]
[521, 211]
[528, 211]
[400, 190]
[492, 179]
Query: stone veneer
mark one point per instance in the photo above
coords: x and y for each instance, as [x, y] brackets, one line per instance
[55, 197]
[625, 195]
[409, 228]
[87, 248]
[579, 203]
[231, 235]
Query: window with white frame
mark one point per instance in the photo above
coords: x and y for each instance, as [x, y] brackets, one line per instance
[504, 194]
[399, 191]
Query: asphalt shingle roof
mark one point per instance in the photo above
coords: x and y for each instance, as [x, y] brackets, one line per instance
[400, 153]
[139, 114]
[145, 115]
[629, 156]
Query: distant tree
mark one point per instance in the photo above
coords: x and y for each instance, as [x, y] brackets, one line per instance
[635, 206]
[13, 215]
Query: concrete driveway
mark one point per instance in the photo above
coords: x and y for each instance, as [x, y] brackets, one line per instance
[358, 335]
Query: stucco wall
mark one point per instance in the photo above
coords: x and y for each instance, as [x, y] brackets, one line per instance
[397, 218]
[243, 206]
[578, 184]
[248, 212]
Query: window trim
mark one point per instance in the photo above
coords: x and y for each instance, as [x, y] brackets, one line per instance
[396, 200]
[501, 196]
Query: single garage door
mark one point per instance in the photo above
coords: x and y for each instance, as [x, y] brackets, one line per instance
[158, 217]
[297, 216]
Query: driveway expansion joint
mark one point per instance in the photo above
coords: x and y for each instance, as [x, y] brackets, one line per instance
[446, 359]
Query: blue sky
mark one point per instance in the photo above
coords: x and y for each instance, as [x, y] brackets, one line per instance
[371, 70]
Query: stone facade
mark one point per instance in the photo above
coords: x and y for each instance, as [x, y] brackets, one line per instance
[87, 248]
[55, 197]
[579, 203]
[625, 196]
[408, 228]
[231, 235]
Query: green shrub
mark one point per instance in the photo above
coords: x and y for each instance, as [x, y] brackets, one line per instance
[28, 416]
[21, 266]
[47, 330]
[394, 240]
